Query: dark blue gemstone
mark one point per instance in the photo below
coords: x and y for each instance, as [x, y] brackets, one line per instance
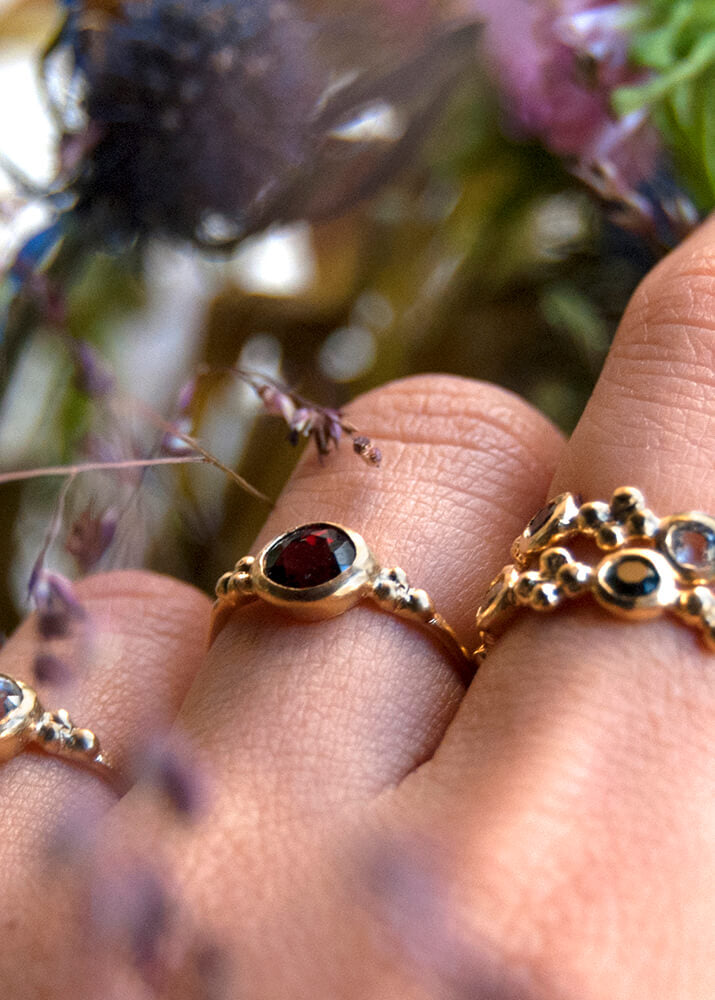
[632, 576]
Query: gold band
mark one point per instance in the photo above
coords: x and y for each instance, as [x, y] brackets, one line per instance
[652, 565]
[317, 571]
[24, 725]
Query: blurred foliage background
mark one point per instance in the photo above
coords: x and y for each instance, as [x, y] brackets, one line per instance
[499, 239]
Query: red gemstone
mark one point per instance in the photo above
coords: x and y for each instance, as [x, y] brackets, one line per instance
[309, 556]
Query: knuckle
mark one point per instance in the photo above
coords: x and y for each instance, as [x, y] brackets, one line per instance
[672, 314]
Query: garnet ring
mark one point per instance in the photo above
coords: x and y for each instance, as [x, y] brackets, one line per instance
[25, 725]
[632, 562]
[317, 571]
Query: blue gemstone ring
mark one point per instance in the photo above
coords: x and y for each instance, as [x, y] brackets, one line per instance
[25, 725]
[633, 563]
[319, 570]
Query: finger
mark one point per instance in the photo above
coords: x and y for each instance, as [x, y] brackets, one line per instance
[131, 658]
[651, 420]
[132, 649]
[601, 731]
[298, 724]
[345, 706]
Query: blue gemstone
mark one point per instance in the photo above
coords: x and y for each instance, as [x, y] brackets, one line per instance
[10, 696]
[692, 546]
[632, 576]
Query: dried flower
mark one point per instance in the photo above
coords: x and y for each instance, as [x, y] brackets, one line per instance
[174, 441]
[50, 669]
[276, 401]
[410, 894]
[56, 603]
[129, 908]
[207, 119]
[133, 916]
[188, 101]
[92, 375]
[90, 535]
[320, 423]
[306, 419]
[364, 447]
[166, 767]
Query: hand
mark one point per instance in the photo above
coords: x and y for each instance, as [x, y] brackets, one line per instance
[371, 830]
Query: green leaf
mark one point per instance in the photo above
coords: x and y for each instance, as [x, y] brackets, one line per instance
[676, 42]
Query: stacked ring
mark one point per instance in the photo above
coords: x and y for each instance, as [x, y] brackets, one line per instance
[317, 571]
[651, 565]
[25, 724]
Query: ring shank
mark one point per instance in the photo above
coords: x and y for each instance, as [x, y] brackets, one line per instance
[320, 570]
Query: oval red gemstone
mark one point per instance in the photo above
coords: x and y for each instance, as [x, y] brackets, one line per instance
[309, 556]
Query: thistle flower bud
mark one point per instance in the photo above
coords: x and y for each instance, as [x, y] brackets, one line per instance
[197, 105]
[209, 119]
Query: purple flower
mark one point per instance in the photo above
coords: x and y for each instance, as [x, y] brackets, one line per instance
[304, 418]
[277, 401]
[166, 766]
[56, 603]
[410, 892]
[556, 65]
[90, 536]
[92, 375]
[322, 424]
[367, 451]
[50, 669]
[129, 908]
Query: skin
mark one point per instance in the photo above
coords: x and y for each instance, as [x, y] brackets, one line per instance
[370, 830]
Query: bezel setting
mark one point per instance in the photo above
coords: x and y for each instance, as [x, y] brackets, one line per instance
[324, 600]
[647, 597]
[499, 598]
[555, 521]
[364, 578]
[654, 565]
[697, 524]
[16, 726]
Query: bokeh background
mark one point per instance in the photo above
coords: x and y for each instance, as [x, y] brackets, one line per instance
[474, 187]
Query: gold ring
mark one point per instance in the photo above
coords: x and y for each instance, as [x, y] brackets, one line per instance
[651, 565]
[24, 724]
[319, 570]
